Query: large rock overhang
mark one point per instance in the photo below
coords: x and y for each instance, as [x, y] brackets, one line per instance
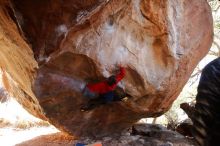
[158, 41]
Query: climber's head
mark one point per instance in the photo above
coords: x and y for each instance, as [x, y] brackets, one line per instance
[111, 80]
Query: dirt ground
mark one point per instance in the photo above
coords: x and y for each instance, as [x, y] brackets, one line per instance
[36, 136]
[56, 139]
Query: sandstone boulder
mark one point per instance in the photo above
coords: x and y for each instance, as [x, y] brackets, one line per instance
[74, 42]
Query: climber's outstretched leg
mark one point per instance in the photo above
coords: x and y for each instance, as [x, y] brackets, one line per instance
[93, 103]
[109, 97]
[101, 100]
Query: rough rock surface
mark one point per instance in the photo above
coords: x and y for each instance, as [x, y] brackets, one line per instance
[17, 63]
[158, 41]
[141, 135]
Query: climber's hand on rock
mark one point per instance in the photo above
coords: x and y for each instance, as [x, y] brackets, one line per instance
[119, 65]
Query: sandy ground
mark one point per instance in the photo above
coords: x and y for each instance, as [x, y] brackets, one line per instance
[56, 139]
[10, 136]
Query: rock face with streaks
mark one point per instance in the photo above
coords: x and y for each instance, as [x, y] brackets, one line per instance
[159, 42]
[17, 63]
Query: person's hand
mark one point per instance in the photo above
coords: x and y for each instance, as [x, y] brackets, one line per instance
[119, 65]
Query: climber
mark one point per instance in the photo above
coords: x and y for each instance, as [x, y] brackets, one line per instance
[104, 91]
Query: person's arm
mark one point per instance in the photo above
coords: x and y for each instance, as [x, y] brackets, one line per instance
[121, 75]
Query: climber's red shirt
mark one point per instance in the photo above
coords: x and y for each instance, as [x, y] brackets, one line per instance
[103, 87]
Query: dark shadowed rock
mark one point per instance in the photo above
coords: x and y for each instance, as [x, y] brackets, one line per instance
[144, 135]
